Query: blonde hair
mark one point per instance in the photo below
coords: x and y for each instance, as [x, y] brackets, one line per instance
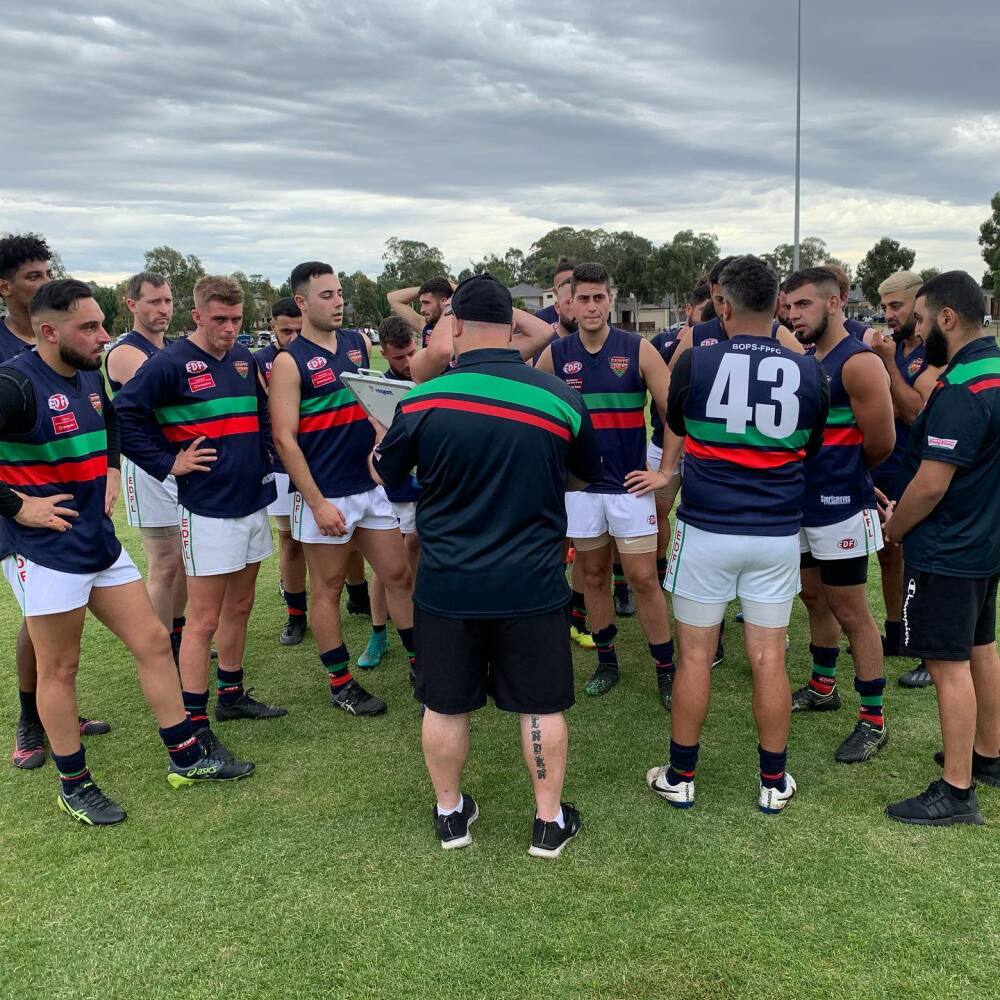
[217, 288]
[900, 281]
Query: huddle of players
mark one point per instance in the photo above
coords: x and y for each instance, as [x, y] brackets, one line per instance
[761, 426]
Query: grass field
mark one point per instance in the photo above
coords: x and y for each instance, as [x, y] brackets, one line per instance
[321, 877]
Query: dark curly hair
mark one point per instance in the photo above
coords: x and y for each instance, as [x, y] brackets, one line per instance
[16, 250]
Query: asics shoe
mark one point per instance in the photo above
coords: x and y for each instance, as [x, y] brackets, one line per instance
[247, 707]
[808, 699]
[88, 804]
[208, 769]
[353, 699]
[864, 743]
[294, 631]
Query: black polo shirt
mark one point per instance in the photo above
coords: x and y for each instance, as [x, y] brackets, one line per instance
[960, 425]
[492, 440]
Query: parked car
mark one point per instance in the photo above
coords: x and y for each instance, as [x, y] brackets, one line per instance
[245, 339]
[987, 319]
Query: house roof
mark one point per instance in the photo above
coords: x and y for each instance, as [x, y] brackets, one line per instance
[526, 291]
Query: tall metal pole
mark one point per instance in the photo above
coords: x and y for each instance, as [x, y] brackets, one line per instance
[798, 141]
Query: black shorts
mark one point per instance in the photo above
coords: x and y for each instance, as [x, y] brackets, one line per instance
[945, 616]
[887, 484]
[524, 663]
[838, 572]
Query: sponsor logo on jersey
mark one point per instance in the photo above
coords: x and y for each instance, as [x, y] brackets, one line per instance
[709, 341]
[317, 362]
[831, 501]
[915, 367]
[58, 402]
[575, 383]
[267, 372]
[193, 367]
[355, 356]
[846, 543]
[242, 368]
[324, 377]
[65, 423]
[95, 402]
[200, 382]
[947, 443]
[618, 365]
[572, 367]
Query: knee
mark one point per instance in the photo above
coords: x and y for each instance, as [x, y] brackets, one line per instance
[60, 669]
[643, 580]
[155, 643]
[596, 576]
[399, 580]
[240, 605]
[202, 623]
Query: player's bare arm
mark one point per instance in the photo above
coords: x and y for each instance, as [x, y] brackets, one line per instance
[401, 303]
[124, 362]
[867, 385]
[656, 375]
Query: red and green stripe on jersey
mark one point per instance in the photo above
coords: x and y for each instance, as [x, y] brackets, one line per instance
[77, 458]
[841, 428]
[217, 418]
[750, 449]
[976, 376]
[333, 409]
[497, 398]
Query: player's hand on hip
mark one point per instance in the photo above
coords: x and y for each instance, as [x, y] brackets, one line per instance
[193, 458]
[111, 491]
[644, 481]
[329, 519]
[46, 512]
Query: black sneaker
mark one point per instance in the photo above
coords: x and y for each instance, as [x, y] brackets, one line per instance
[453, 829]
[208, 769]
[984, 769]
[720, 655]
[738, 618]
[294, 631]
[864, 743]
[88, 804]
[602, 680]
[665, 684]
[549, 839]
[918, 677]
[93, 727]
[29, 746]
[808, 699]
[937, 806]
[359, 607]
[212, 746]
[353, 699]
[624, 603]
[246, 707]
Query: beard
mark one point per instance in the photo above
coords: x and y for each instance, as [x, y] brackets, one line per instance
[936, 348]
[905, 331]
[812, 336]
[78, 361]
[569, 325]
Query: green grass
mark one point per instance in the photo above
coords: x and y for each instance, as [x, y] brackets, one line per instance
[321, 877]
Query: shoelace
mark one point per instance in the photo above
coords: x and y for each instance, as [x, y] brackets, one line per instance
[32, 737]
[90, 795]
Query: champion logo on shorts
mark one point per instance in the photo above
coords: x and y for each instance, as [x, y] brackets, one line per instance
[242, 368]
[193, 367]
[572, 367]
[356, 356]
[935, 442]
[317, 362]
[325, 377]
[58, 402]
[915, 366]
[65, 423]
[846, 543]
[618, 365]
[95, 402]
[200, 382]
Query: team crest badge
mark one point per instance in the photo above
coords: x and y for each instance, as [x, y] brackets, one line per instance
[95, 402]
[193, 367]
[571, 367]
[58, 402]
[618, 365]
[242, 368]
[315, 363]
[915, 367]
[355, 356]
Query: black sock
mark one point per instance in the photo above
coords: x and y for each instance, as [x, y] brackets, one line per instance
[772, 767]
[72, 769]
[962, 794]
[181, 743]
[978, 758]
[618, 578]
[295, 602]
[406, 638]
[229, 685]
[661, 568]
[358, 592]
[578, 611]
[663, 656]
[605, 642]
[683, 762]
[378, 629]
[29, 707]
[893, 634]
[196, 706]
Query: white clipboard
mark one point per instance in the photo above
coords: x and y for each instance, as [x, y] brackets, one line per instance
[378, 396]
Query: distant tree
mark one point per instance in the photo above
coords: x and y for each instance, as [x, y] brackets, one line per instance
[929, 272]
[843, 265]
[812, 251]
[58, 267]
[366, 301]
[704, 251]
[252, 311]
[466, 272]
[631, 277]
[624, 255]
[107, 298]
[182, 273]
[678, 266]
[506, 269]
[989, 240]
[410, 262]
[886, 257]
[577, 244]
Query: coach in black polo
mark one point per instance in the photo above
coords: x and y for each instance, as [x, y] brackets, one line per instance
[495, 443]
[947, 519]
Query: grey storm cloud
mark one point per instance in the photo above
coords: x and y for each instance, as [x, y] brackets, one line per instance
[254, 133]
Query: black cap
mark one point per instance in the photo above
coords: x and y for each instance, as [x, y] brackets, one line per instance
[482, 299]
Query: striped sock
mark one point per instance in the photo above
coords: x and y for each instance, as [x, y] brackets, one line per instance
[72, 769]
[824, 670]
[337, 663]
[605, 642]
[772, 768]
[618, 577]
[229, 685]
[663, 656]
[196, 706]
[683, 763]
[661, 568]
[181, 743]
[295, 603]
[406, 638]
[871, 693]
[578, 611]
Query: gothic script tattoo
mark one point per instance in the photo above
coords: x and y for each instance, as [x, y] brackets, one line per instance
[536, 748]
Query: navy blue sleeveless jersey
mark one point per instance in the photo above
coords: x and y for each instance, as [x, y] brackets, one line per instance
[132, 339]
[911, 366]
[184, 393]
[10, 345]
[665, 342]
[264, 360]
[334, 433]
[65, 452]
[751, 411]
[855, 328]
[838, 484]
[614, 393]
[707, 334]
[425, 334]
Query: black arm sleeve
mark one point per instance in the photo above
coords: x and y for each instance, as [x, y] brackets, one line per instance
[680, 386]
[114, 431]
[17, 416]
[815, 441]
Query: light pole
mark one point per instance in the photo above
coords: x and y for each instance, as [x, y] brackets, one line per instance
[798, 138]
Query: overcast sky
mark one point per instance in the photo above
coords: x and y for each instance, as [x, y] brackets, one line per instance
[257, 134]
